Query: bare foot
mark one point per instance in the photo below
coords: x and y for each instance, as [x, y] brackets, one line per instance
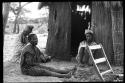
[71, 69]
[69, 75]
[72, 72]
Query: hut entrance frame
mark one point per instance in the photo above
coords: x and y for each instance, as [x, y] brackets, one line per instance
[80, 21]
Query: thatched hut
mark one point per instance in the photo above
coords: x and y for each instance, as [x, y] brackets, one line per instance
[107, 17]
[106, 21]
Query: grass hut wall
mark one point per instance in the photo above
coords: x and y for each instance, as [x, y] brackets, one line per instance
[107, 17]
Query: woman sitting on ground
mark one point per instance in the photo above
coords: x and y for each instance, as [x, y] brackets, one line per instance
[20, 42]
[32, 58]
[83, 56]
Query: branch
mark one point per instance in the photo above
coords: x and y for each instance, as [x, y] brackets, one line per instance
[25, 10]
[13, 10]
[25, 4]
[19, 4]
[20, 8]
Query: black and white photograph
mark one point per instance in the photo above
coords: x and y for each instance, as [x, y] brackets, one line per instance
[81, 41]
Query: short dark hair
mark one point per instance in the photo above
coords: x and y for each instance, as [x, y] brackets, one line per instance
[30, 37]
[28, 27]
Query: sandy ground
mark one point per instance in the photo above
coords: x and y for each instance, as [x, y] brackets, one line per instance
[12, 71]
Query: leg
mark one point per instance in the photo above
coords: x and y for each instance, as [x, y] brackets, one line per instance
[55, 74]
[83, 58]
[55, 70]
[86, 57]
[37, 71]
[80, 56]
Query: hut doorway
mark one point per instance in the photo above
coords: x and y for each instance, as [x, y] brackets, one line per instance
[80, 20]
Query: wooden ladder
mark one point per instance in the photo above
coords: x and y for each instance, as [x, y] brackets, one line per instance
[100, 60]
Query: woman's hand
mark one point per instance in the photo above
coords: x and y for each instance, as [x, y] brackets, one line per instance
[48, 57]
[43, 58]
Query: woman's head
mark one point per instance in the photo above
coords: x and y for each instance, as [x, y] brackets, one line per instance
[28, 29]
[32, 38]
[89, 35]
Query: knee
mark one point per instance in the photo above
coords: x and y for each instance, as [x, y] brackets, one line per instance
[77, 58]
[48, 59]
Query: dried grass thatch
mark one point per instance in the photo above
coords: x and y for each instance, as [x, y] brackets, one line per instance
[109, 4]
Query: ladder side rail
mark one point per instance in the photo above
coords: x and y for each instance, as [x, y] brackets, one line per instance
[96, 67]
[106, 58]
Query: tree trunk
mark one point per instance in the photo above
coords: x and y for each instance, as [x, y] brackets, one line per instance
[15, 24]
[59, 31]
[18, 28]
[101, 18]
[14, 29]
[5, 15]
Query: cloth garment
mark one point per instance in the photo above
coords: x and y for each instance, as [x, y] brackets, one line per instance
[83, 56]
[20, 42]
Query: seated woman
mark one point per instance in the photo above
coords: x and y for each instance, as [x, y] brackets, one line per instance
[32, 57]
[20, 42]
[83, 56]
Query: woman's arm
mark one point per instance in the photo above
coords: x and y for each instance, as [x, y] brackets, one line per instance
[24, 39]
[44, 58]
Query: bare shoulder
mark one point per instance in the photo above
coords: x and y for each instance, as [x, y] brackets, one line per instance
[82, 42]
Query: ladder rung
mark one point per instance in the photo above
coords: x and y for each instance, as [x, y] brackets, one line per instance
[106, 72]
[95, 47]
[100, 60]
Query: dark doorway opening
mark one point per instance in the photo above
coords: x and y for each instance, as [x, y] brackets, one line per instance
[80, 21]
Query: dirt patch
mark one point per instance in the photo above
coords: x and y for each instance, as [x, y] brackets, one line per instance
[12, 73]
